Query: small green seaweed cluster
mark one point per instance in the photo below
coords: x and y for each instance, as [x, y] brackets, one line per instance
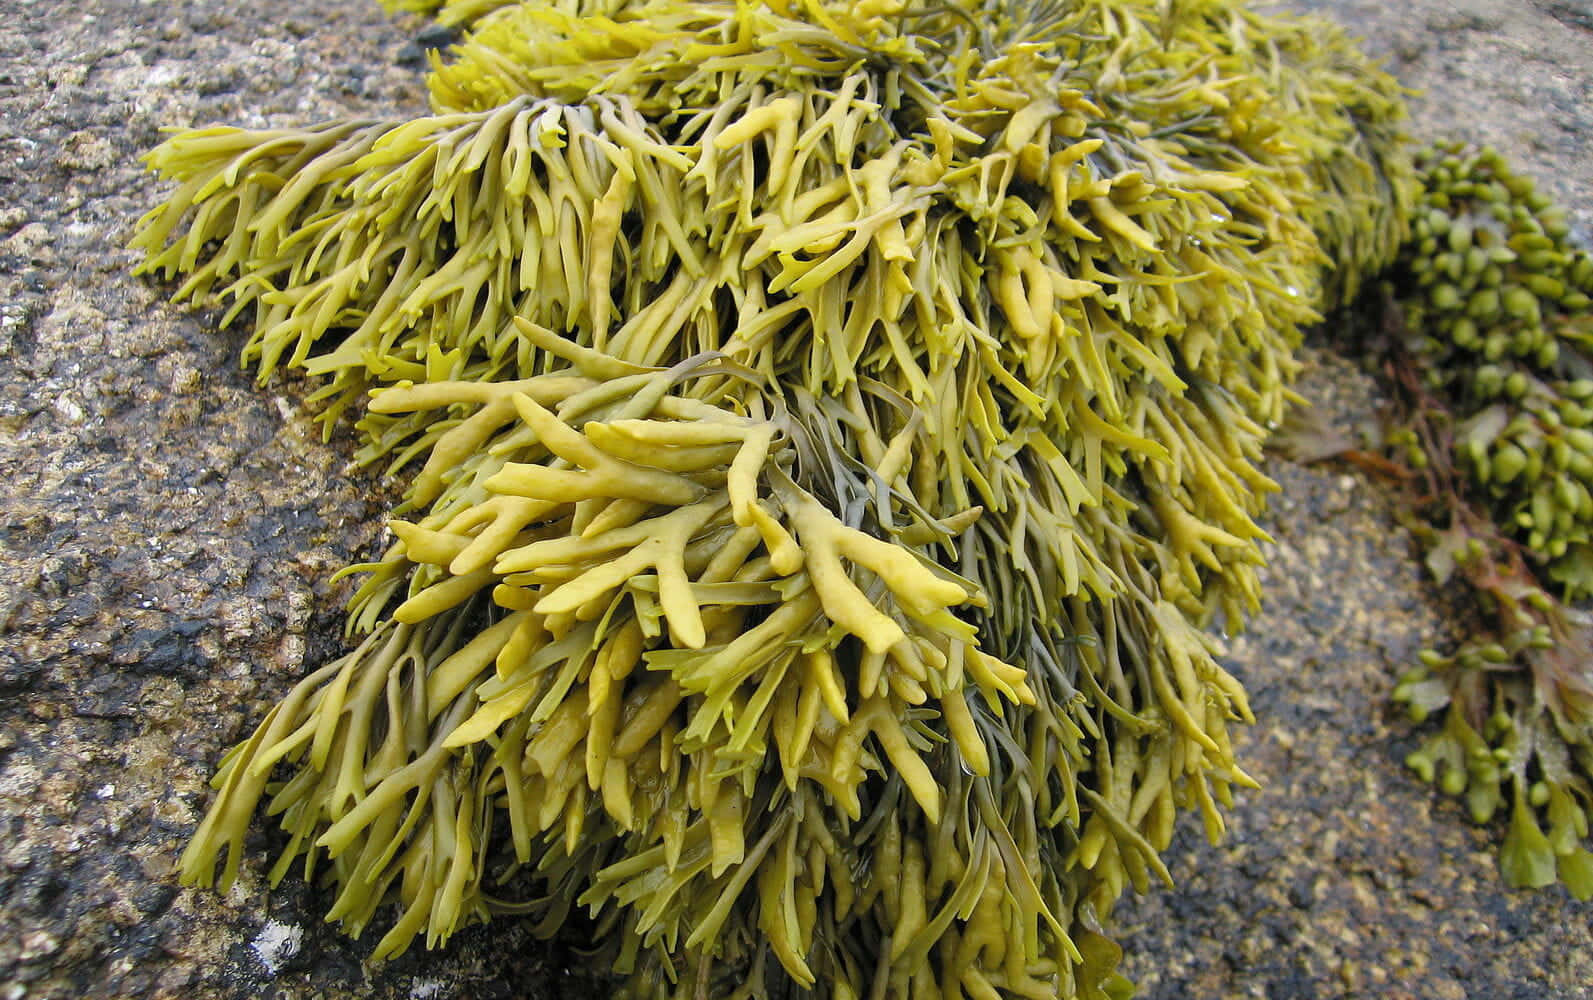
[828, 426]
[1504, 296]
[1498, 305]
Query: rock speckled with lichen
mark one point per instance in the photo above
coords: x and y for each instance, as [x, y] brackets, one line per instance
[166, 528]
[166, 537]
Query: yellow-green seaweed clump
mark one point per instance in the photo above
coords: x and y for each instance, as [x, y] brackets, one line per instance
[830, 426]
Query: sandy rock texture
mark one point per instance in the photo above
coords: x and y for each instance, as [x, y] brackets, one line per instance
[1515, 74]
[167, 529]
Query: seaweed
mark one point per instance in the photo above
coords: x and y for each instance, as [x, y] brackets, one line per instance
[826, 430]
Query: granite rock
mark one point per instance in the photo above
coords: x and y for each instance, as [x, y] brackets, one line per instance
[167, 527]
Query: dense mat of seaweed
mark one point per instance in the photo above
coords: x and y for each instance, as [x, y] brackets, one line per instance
[826, 430]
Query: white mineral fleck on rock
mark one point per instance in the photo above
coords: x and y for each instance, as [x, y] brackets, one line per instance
[276, 943]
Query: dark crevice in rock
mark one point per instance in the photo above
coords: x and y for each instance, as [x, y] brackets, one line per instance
[1575, 13]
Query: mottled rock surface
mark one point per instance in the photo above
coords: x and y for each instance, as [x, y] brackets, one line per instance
[167, 529]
